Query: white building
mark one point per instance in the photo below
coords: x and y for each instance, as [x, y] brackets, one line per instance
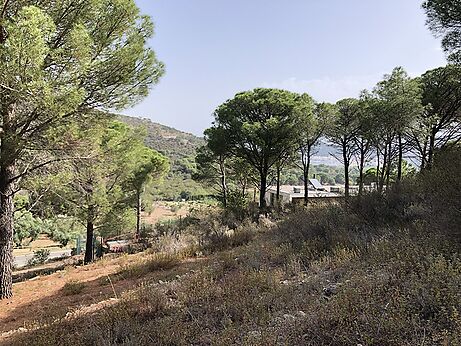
[295, 194]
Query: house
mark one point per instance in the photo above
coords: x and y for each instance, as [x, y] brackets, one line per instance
[295, 194]
[117, 245]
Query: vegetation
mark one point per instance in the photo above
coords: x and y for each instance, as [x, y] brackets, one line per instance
[180, 148]
[59, 62]
[73, 288]
[443, 18]
[379, 268]
[40, 257]
[379, 271]
[267, 131]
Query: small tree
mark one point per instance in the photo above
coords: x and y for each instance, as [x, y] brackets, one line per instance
[400, 104]
[315, 120]
[99, 186]
[149, 166]
[364, 137]
[212, 161]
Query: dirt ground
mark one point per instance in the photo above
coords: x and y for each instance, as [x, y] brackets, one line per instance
[165, 211]
[43, 300]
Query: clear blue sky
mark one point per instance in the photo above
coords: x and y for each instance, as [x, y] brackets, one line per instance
[329, 48]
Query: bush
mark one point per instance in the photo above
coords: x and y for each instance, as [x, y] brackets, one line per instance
[369, 273]
[40, 257]
[440, 192]
[148, 264]
[73, 287]
[224, 238]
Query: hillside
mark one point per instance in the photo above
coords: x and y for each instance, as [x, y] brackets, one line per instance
[361, 274]
[180, 148]
[173, 143]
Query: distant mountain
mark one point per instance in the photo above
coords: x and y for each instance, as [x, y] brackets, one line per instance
[170, 142]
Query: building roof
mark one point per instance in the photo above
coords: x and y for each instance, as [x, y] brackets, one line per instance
[298, 192]
[316, 184]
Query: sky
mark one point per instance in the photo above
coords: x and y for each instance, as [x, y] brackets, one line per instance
[331, 49]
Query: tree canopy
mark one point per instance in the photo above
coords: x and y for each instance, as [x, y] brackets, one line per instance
[261, 125]
[60, 61]
[444, 19]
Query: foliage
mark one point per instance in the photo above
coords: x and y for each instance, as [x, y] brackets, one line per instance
[443, 19]
[149, 167]
[322, 276]
[60, 61]
[40, 257]
[27, 227]
[153, 262]
[315, 121]
[180, 148]
[440, 123]
[259, 126]
[343, 132]
[441, 187]
[396, 105]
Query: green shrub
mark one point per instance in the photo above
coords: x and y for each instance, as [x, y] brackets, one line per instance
[40, 257]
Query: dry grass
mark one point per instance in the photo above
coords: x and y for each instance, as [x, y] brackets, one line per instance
[73, 287]
[147, 264]
[325, 276]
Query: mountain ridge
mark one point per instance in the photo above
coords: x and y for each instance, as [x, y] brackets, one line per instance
[174, 143]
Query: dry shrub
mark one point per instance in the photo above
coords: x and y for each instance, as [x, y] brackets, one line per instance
[73, 287]
[223, 238]
[324, 276]
[440, 190]
[184, 244]
[381, 306]
[149, 263]
[146, 303]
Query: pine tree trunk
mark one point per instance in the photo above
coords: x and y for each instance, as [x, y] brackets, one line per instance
[400, 162]
[306, 178]
[138, 214]
[361, 168]
[6, 230]
[346, 179]
[388, 168]
[7, 190]
[378, 167]
[89, 256]
[346, 172]
[278, 186]
[430, 159]
[222, 167]
[263, 187]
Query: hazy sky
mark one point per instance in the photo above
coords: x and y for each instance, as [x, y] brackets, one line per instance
[329, 48]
